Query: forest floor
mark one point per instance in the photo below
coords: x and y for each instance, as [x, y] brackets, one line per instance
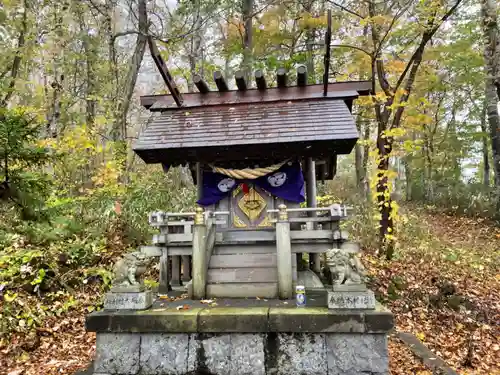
[443, 286]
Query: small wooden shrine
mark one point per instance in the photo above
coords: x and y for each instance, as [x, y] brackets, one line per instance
[251, 151]
[255, 154]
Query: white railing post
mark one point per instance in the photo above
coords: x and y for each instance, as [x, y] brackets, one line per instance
[199, 255]
[284, 254]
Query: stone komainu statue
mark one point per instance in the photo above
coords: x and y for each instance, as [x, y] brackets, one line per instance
[345, 267]
[129, 269]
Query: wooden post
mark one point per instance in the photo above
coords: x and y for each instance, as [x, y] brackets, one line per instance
[199, 255]
[186, 268]
[281, 77]
[199, 179]
[199, 185]
[164, 284]
[220, 82]
[186, 259]
[260, 80]
[302, 75]
[200, 84]
[164, 280]
[284, 254]
[167, 77]
[315, 259]
[176, 271]
[239, 76]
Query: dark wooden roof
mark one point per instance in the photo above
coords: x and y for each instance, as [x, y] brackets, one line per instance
[244, 127]
[345, 90]
[249, 132]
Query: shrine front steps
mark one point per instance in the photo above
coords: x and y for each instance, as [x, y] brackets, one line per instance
[241, 340]
[244, 270]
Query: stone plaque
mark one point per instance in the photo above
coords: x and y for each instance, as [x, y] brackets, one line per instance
[349, 288]
[351, 300]
[128, 301]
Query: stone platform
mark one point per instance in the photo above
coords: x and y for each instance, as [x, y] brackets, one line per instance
[241, 337]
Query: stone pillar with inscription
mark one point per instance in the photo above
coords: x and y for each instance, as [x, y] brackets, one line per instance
[349, 288]
[128, 291]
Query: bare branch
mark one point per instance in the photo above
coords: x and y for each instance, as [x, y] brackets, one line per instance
[346, 9]
[389, 29]
[97, 7]
[352, 47]
[264, 8]
[16, 64]
[425, 39]
[377, 61]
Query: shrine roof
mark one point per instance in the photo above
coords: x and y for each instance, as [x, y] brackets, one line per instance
[257, 130]
[246, 126]
[337, 90]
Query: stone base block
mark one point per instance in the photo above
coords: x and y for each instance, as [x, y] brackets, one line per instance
[241, 354]
[241, 341]
[351, 300]
[138, 288]
[128, 301]
[349, 288]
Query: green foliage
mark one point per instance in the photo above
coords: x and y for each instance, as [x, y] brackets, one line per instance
[23, 185]
[46, 260]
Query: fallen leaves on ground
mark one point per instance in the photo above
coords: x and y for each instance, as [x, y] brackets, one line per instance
[402, 361]
[61, 346]
[443, 287]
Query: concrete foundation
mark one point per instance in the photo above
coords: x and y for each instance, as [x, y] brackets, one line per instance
[239, 341]
[241, 354]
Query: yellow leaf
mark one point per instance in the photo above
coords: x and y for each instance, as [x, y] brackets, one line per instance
[420, 336]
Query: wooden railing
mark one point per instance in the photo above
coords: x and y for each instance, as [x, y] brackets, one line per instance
[203, 245]
[174, 244]
[311, 230]
[188, 239]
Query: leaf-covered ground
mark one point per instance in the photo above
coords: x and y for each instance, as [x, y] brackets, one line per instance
[443, 286]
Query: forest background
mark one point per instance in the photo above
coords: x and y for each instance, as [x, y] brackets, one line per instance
[426, 182]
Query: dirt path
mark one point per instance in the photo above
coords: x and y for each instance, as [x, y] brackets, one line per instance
[444, 287]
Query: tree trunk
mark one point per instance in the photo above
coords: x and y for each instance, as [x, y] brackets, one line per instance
[247, 9]
[389, 119]
[16, 63]
[366, 158]
[358, 162]
[384, 200]
[91, 50]
[408, 177]
[112, 60]
[194, 51]
[358, 156]
[119, 127]
[310, 42]
[57, 78]
[363, 182]
[492, 61]
[90, 47]
[486, 154]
